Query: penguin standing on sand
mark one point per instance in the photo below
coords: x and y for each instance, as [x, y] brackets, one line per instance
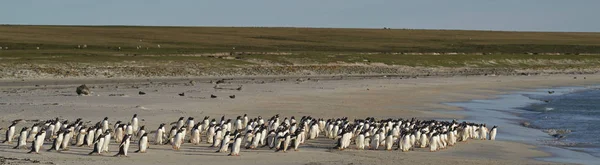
[135, 123]
[58, 141]
[38, 141]
[190, 123]
[225, 143]
[433, 143]
[106, 141]
[178, 139]
[124, 146]
[389, 141]
[235, 146]
[160, 133]
[34, 130]
[493, 133]
[360, 141]
[22, 142]
[105, 123]
[98, 144]
[143, 143]
[141, 131]
[67, 135]
[180, 123]
[195, 136]
[10, 133]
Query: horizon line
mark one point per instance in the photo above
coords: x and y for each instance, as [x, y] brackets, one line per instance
[305, 27]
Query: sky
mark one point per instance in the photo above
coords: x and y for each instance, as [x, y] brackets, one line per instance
[506, 15]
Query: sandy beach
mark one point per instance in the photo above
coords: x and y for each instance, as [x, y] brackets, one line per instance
[321, 97]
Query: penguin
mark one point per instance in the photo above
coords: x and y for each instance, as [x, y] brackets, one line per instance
[210, 134]
[483, 132]
[129, 129]
[57, 141]
[81, 136]
[67, 136]
[49, 131]
[217, 138]
[34, 130]
[406, 144]
[180, 123]
[10, 133]
[105, 123]
[143, 143]
[89, 137]
[375, 141]
[98, 144]
[286, 140]
[124, 146]
[238, 123]
[493, 133]
[423, 140]
[195, 136]
[106, 141]
[245, 120]
[360, 141]
[389, 141]
[225, 143]
[160, 133]
[295, 141]
[313, 132]
[178, 139]
[433, 143]
[190, 123]
[235, 147]
[135, 123]
[247, 139]
[22, 142]
[38, 141]
[255, 140]
[141, 131]
[120, 133]
[172, 133]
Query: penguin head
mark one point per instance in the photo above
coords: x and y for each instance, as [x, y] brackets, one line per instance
[181, 118]
[105, 118]
[134, 115]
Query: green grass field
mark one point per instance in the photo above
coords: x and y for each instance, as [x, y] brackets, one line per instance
[59, 44]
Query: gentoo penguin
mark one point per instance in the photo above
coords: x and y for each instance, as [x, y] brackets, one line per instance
[195, 136]
[225, 143]
[180, 123]
[58, 141]
[210, 133]
[106, 141]
[178, 139]
[389, 141]
[49, 131]
[256, 139]
[34, 130]
[105, 123]
[493, 133]
[98, 144]
[423, 140]
[245, 120]
[135, 123]
[141, 131]
[10, 133]
[22, 142]
[124, 146]
[247, 139]
[238, 123]
[172, 134]
[81, 136]
[67, 136]
[129, 129]
[190, 123]
[406, 144]
[160, 133]
[235, 147]
[295, 140]
[375, 141]
[217, 138]
[38, 141]
[433, 143]
[120, 133]
[89, 137]
[314, 131]
[143, 143]
[360, 141]
[483, 132]
[286, 140]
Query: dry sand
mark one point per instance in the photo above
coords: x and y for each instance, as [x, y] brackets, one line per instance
[317, 97]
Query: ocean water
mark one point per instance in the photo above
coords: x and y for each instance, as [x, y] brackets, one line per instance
[569, 108]
[576, 113]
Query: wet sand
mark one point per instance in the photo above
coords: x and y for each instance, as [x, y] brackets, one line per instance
[267, 96]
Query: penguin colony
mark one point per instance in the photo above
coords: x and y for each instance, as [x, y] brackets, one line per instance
[230, 136]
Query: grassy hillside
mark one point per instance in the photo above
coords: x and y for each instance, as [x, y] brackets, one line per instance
[110, 46]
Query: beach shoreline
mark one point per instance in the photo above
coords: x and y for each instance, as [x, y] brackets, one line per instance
[380, 97]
